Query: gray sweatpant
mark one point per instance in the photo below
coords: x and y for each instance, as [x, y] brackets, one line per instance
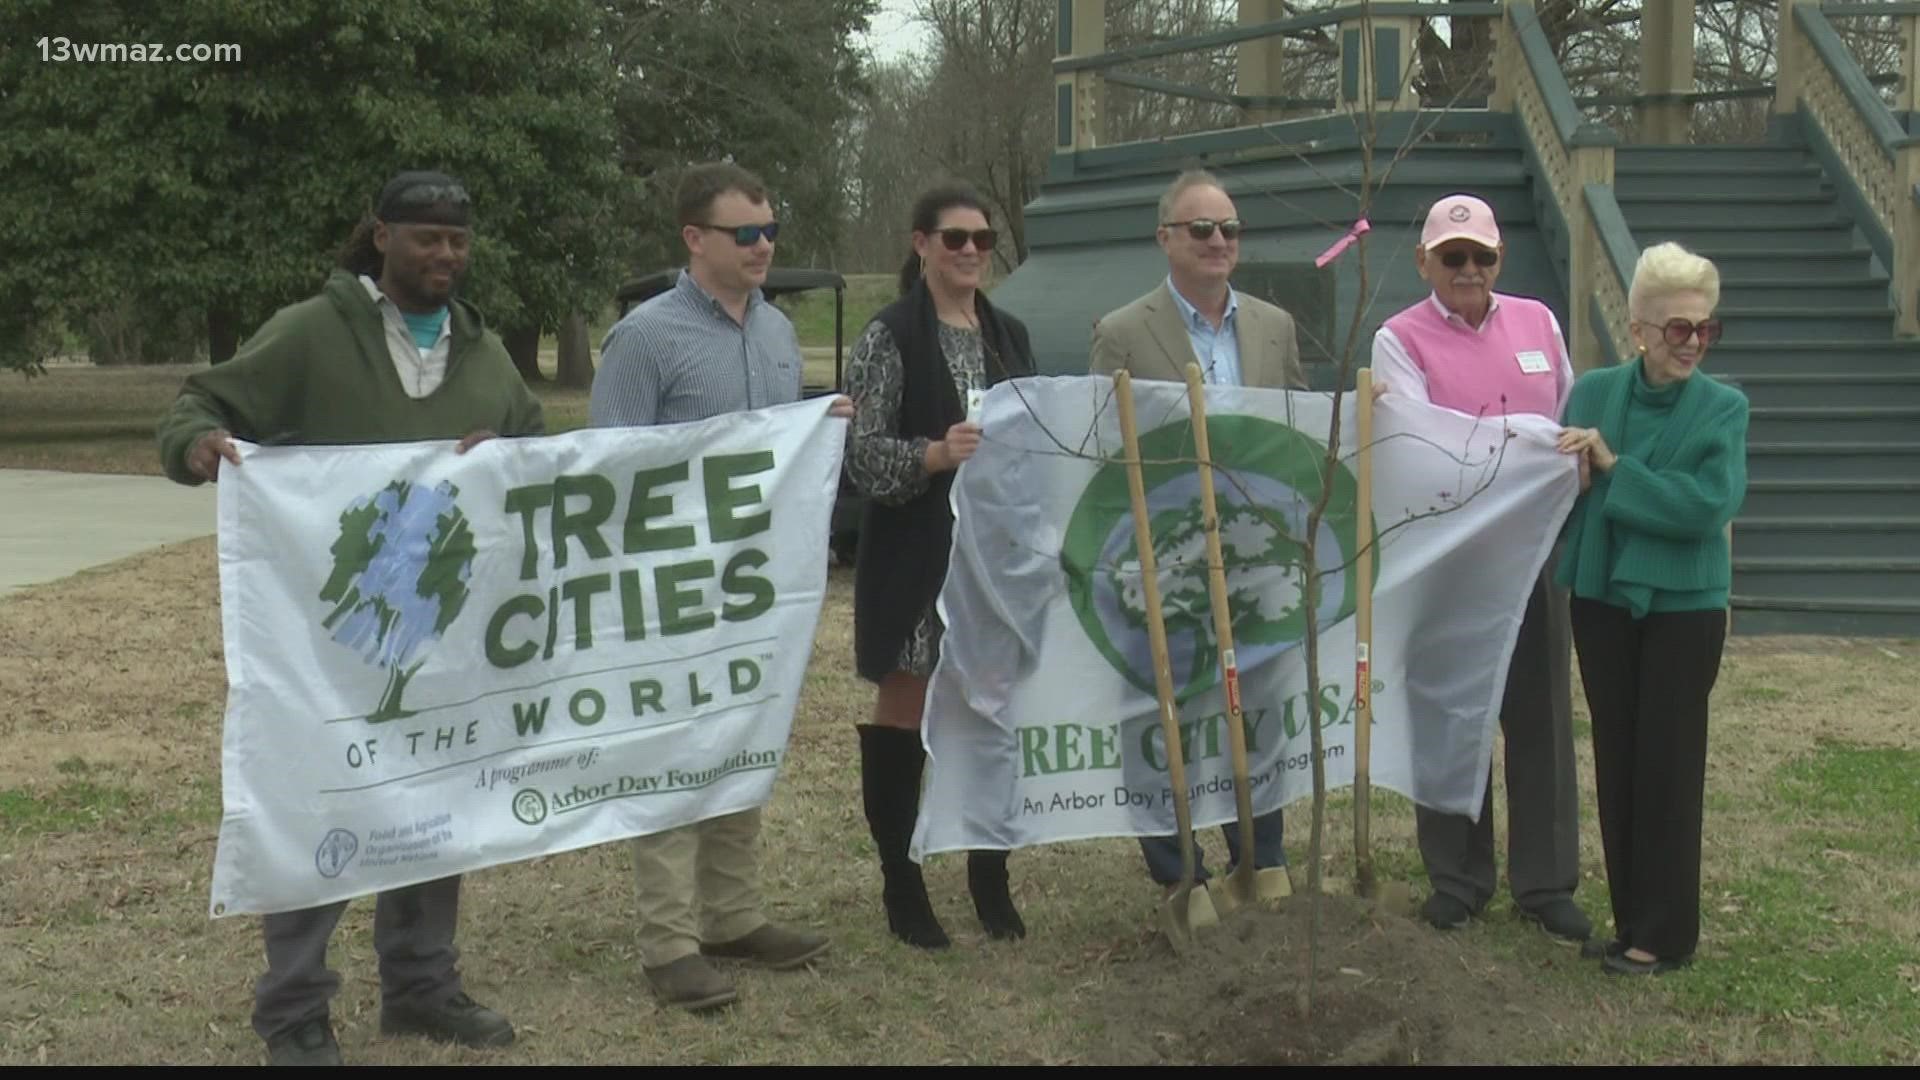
[412, 933]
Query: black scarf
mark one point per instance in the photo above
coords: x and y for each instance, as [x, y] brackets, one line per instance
[903, 549]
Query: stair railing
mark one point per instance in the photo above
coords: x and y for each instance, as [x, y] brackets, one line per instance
[1570, 154]
[1852, 128]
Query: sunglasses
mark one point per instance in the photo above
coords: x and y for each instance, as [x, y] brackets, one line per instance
[748, 235]
[1202, 228]
[432, 195]
[1678, 331]
[1455, 259]
[956, 238]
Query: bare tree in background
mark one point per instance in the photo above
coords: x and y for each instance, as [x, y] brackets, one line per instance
[990, 92]
[978, 106]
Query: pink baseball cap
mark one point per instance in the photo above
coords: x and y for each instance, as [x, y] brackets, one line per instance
[1460, 217]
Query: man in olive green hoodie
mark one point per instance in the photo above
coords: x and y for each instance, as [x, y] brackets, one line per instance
[385, 353]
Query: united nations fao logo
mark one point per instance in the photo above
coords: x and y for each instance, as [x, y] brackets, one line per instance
[530, 807]
[335, 852]
[1460, 213]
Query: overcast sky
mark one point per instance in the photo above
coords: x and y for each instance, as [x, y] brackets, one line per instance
[893, 32]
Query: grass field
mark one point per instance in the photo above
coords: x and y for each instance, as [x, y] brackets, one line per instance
[812, 312]
[110, 800]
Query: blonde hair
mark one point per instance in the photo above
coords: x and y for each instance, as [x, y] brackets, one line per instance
[1669, 268]
[1182, 184]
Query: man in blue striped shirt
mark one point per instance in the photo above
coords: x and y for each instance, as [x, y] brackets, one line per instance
[710, 345]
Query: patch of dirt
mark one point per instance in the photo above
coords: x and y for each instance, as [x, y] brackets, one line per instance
[1391, 992]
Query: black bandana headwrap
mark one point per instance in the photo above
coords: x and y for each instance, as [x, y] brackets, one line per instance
[424, 198]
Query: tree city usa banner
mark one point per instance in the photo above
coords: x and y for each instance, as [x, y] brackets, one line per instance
[439, 662]
[1042, 720]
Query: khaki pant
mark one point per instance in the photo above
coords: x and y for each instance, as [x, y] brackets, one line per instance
[710, 864]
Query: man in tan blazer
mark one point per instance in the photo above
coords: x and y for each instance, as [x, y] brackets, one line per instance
[1195, 315]
[1238, 340]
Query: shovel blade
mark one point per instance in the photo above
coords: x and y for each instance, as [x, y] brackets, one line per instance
[1273, 885]
[1187, 911]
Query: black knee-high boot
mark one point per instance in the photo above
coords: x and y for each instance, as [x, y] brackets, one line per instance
[987, 881]
[891, 763]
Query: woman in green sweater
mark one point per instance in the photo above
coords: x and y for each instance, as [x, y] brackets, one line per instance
[1664, 470]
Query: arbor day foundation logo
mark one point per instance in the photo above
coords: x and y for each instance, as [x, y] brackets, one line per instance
[1266, 482]
[399, 579]
[529, 806]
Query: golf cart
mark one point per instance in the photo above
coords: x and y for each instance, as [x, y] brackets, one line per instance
[784, 281]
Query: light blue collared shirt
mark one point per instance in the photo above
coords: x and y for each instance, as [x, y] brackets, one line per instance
[1217, 350]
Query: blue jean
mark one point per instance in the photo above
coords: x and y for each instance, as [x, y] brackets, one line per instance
[1269, 849]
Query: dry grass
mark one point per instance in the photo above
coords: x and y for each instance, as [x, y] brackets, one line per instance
[111, 801]
[79, 418]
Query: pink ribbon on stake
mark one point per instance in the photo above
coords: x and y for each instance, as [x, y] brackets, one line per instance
[1342, 244]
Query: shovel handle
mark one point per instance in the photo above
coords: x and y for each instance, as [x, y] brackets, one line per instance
[1156, 628]
[1222, 617]
[1363, 637]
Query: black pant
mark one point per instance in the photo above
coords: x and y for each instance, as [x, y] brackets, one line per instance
[1647, 683]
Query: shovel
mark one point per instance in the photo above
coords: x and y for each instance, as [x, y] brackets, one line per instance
[1187, 909]
[1395, 895]
[1363, 643]
[1246, 884]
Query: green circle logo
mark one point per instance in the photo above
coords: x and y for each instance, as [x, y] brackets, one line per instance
[529, 807]
[1267, 480]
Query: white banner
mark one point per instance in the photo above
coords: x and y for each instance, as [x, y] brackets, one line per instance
[1042, 719]
[440, 662]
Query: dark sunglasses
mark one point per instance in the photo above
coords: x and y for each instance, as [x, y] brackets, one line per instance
[1202, 228]
[956, 238]
[748, 235]
[1455, 259]
[1677, 331]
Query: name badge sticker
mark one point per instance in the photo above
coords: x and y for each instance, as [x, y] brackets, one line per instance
[1533, 363]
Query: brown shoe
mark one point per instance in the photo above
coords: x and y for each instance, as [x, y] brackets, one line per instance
[771, 946]
[691, 983]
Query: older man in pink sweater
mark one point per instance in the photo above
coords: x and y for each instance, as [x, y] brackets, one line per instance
[1486, 354]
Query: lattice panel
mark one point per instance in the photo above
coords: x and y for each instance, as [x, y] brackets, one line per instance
[1860, 153]
[1613, 304]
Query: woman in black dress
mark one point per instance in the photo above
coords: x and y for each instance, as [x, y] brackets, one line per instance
[910, 374]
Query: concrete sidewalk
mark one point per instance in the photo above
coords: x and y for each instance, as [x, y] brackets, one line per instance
[53, 524]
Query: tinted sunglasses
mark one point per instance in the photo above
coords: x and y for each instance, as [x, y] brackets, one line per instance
[1677, 331]
[1202, 228]
[1457, 258]
[748, 235]
[956, 238]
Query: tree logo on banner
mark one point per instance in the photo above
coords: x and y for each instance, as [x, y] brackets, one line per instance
[1266, 482]
[529, 806]
[399, 579]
